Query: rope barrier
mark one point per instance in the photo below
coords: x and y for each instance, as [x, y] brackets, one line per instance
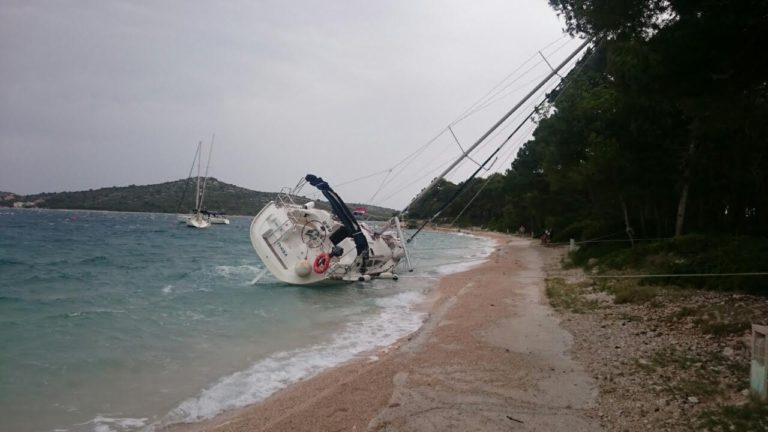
[637, 276]
[641, 276]
[610, 241]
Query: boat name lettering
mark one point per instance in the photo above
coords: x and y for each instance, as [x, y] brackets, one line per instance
[282, 249]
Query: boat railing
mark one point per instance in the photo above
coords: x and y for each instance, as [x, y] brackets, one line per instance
[285, 198]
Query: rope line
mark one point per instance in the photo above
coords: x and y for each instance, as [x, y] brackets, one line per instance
[640, 276]
[633, 276]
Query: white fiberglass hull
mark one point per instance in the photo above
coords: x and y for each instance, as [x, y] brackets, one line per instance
[197, 221]
[289, 239]
[219, 220]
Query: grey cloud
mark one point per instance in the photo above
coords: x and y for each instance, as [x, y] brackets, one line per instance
[102, 93]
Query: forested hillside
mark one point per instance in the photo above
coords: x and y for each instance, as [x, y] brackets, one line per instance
[168, 197]
[662, 129]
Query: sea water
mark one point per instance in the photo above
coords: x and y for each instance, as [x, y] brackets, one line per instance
[127, 321]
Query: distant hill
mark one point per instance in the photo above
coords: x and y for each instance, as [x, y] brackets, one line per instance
[164, 198]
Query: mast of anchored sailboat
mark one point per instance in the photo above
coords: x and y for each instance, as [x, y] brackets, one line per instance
[197, 190]
[490, 131]
[207, 165]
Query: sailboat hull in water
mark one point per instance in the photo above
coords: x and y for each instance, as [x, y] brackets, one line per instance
[197, 221]
[301, 244]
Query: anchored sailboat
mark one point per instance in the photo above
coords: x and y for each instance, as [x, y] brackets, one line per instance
[197, 220]
[200, 219]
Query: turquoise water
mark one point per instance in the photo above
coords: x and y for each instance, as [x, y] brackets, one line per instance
[122, 321]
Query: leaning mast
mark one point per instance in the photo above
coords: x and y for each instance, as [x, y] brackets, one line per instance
[497, 124]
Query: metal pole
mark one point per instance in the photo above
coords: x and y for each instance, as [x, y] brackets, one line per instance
[405, 248]
[498, 123]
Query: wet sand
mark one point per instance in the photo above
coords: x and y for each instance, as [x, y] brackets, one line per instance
[491, 356]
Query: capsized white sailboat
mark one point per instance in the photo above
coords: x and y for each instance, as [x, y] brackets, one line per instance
[301, 244]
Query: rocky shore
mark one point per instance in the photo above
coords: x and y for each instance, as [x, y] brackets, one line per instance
[665, 358]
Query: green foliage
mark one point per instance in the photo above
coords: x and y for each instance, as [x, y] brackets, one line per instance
[570, 297]
[172, 197]
[750, 417]
[592, 252]
[160, 198]
[629, 291]
[673, 97]
[719, 319]
[692, 254]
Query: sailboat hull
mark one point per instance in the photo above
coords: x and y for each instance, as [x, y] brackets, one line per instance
[198, 222]
[277, 240]
[218, 220]
[289, 238]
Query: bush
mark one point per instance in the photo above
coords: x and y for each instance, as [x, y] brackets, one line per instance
[692, 254]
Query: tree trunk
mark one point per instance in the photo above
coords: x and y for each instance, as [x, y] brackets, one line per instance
[687, 162]
[681, 207]
[626, 222]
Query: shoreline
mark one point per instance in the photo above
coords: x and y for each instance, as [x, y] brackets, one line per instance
[471, 326]
[111, 211]
[432, 296]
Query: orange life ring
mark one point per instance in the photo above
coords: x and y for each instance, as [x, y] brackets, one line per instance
[322, 262]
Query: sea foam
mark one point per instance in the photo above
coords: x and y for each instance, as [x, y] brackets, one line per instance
[395, 320]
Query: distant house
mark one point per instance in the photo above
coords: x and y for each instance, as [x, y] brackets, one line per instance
[359, 211]
[26, 204]
[8, 197]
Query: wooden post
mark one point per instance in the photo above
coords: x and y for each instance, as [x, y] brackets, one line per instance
[758, 376]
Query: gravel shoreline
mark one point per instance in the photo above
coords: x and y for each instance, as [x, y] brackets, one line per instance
[668, 359]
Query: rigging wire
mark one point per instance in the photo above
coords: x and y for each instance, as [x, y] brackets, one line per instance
[422, 148]
[495, 97]
[420, 178]
[513, 150]
[507, 77]
[399, 189]
[410, 156]
[362, 178]
[486, 143]
[559, 86]
[563, 85]
[513, 119]
[503, 119]
[485, 105]
[397, 170]
[463, 186]
[381, 185]
[513, 91]
[189, 176]
[506, 157]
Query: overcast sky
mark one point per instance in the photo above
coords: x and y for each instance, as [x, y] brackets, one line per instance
[111, 93]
